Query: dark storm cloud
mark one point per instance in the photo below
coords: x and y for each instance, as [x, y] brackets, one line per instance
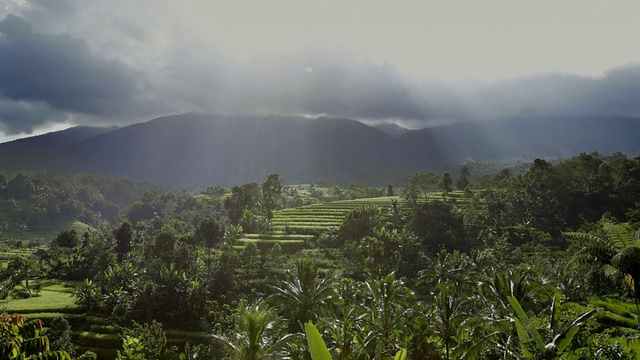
[62, 72]
[22, 117]
[617, 92]
[46, 76]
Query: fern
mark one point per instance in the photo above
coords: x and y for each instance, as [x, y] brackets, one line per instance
[619, 236]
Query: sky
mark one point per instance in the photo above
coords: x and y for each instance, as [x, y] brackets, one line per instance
[417, 63]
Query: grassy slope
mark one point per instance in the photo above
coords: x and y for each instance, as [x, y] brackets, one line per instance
[55, 296]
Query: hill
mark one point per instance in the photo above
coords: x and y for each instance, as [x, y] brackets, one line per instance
[191, 151]
[39, 204]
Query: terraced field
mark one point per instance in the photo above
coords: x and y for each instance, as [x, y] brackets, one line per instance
[93, 333]
[293, 228]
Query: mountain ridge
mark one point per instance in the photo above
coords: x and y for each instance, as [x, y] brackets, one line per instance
[190, 151]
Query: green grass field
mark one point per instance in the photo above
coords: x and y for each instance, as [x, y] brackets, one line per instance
[55, 297]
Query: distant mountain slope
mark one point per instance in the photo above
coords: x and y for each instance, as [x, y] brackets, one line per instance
[189, 151]
[391, 129]
[194, 150]
[37, 151]
[531, 137]
[56, 139]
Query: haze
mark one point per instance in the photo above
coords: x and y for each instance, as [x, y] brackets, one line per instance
[66, 63]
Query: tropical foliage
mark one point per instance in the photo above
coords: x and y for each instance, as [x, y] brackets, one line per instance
[508, 268]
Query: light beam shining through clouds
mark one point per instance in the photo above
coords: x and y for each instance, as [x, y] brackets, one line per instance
[417, 63]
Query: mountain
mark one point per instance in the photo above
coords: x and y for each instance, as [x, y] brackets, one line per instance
[194, 150]
[55, 139]
[190, 151]
[525, 137]
[391, 129]
[37, 151]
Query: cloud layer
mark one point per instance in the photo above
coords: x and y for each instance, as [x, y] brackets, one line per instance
[55, 67]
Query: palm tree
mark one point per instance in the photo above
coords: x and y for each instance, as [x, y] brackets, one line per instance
[254, 335]
[305, 294]
[387, 302]
[449, 316]
[453, 268]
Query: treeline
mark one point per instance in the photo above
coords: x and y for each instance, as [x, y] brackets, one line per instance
[41, 199]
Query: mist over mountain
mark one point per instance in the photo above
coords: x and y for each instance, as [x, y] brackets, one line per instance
[191, 151]
[391, 129]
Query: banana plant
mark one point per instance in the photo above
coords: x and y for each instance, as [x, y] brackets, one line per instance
[559, 338]
[318, 349]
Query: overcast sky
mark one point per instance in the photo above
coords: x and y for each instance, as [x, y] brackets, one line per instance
[421, 63]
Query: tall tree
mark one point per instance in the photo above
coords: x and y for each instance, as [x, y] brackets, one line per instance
[418, 186]
[438, 225]
[271, 193]
[463, 179]
[447, 182]
[123, 240]
[67, 239]
[243, 197]
[209, 232]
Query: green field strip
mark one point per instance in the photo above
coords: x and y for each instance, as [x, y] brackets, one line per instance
[276, 232]
[104, 329]
[310, 215]
[289, 247]
[91, 339]
[278, 237]
[271, 242]
[46, 317]
[307, 217]
[303, 210]
[308, 230]
[309, 221]
[311, 212]
[53, 301]
[612, 319]
[619, 307]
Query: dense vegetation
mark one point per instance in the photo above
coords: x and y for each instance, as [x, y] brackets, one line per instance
[43, 201]
[459, 266]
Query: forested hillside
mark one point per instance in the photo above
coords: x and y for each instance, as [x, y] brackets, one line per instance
[36, 203]
[539, 264]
